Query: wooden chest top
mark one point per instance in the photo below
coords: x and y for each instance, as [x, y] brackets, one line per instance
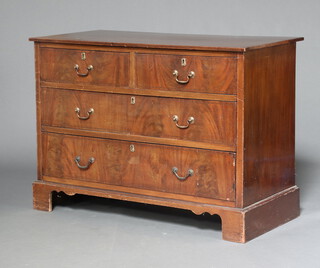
[168, 41]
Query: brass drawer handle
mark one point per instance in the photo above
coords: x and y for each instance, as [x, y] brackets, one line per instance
[90, 162]
[77, 110]
[89, 68]
[175, 172]
[190, 121]
[191, 74]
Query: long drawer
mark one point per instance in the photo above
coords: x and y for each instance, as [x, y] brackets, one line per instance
[85, 67]
[195, 172]
[183, 119]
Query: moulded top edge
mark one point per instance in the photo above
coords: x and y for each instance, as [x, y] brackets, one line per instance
[168, 40]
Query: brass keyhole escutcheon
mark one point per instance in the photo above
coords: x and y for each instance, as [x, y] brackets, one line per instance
[132, 148]
[183, 62]
[83, 56]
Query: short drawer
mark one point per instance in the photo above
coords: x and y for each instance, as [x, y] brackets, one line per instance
[206, 74]
[195, 172]
[84, 67]
[184, 119]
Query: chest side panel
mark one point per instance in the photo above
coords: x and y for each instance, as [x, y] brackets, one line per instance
[269, 122]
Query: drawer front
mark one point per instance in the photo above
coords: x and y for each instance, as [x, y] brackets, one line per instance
[209, 121]
[211, 74]
[142, 166]
[108, 68]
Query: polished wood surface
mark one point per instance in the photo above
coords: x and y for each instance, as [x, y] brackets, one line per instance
[266, 215]
[139, 138]
[142, 92]
[57, 65]
[167, 40]
[148, 167]
[269, 122]
[240, 145]
[212, 74]
[214, 121]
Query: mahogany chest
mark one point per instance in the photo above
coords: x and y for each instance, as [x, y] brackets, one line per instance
[197, 122]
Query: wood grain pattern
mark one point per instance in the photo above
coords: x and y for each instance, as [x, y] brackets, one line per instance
[214, 122]
[212, 74]
[138, 138]
[168, 41]
[148, 167]
[109, 68]
[269, 122]
[133, 50]
[141, 92]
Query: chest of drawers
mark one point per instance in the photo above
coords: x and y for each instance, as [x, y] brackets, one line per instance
[203, 123]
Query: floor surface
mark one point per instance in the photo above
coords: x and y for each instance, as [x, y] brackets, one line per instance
[96, 232]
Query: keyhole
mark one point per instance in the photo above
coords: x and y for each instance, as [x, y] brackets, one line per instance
[131, 148]
[183, 62]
